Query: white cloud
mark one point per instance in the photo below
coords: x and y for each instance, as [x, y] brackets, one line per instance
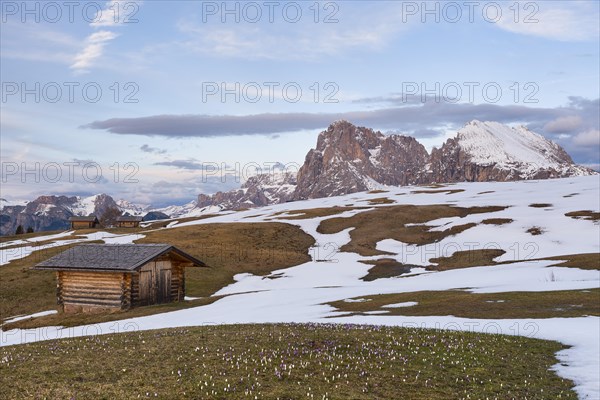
[370, 29]
[564, 21]
[92, 51]
[114, 13]
[588, 138]
[564, 124]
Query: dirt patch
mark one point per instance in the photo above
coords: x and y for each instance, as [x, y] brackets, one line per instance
[496, 221]
[315, 212]
[447, 191]
[466, 259]
[487, 192]
[380, 200]
[535, 230]
[582, 261]
[385, 268]
[377, 191]
[587, 215]
[163, 223]
[540, 205]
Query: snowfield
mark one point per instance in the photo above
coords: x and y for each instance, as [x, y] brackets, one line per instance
[300, 293]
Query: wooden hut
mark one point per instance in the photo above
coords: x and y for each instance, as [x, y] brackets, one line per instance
[112, 277]
[128, 221]
[84, 222]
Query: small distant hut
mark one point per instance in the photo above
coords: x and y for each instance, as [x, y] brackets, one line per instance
[128, 221]
[84, 222]
[112, 277]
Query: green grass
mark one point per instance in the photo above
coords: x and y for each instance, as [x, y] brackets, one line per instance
[389, 223]
[567, 303]
[286, 362]
[25, 236]
[23, 291]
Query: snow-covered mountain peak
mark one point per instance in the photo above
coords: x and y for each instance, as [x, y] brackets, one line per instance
[488, 143]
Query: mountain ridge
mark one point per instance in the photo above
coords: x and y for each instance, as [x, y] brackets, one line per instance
[349, 158]
[346, 159]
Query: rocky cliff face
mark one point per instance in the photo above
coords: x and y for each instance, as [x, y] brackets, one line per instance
[259, 190]
[351, 159]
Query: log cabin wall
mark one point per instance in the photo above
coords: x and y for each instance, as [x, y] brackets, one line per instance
[128, 224]
[178, 282]
[93, 291]
[82, 225]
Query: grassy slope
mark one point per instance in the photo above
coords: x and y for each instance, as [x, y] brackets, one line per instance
[233, 248]
[229, 249]
[567, 303]
[23, 291]
[285, 361]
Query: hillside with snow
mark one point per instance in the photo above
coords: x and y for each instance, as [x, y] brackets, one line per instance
[564, 213]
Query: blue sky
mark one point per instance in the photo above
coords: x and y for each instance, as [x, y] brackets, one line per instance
[175, 59]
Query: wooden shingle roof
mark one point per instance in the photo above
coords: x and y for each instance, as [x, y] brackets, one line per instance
[129, 218]
[91, 218]
[111, 257]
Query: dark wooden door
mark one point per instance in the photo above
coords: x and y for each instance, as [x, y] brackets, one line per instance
[146, 287]
[155, 283]
[164, 286]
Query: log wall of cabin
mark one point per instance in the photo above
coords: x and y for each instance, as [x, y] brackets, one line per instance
[178, 282]
[93, 291]
[128, 224]
[82, 225]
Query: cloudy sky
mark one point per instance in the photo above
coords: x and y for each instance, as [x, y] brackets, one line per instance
[158, 101]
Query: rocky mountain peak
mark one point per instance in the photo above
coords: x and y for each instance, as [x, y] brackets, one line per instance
[346, 137]
[49, 212]
[491, 151]
[350, 159]
[258, 190]
[346, 159]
